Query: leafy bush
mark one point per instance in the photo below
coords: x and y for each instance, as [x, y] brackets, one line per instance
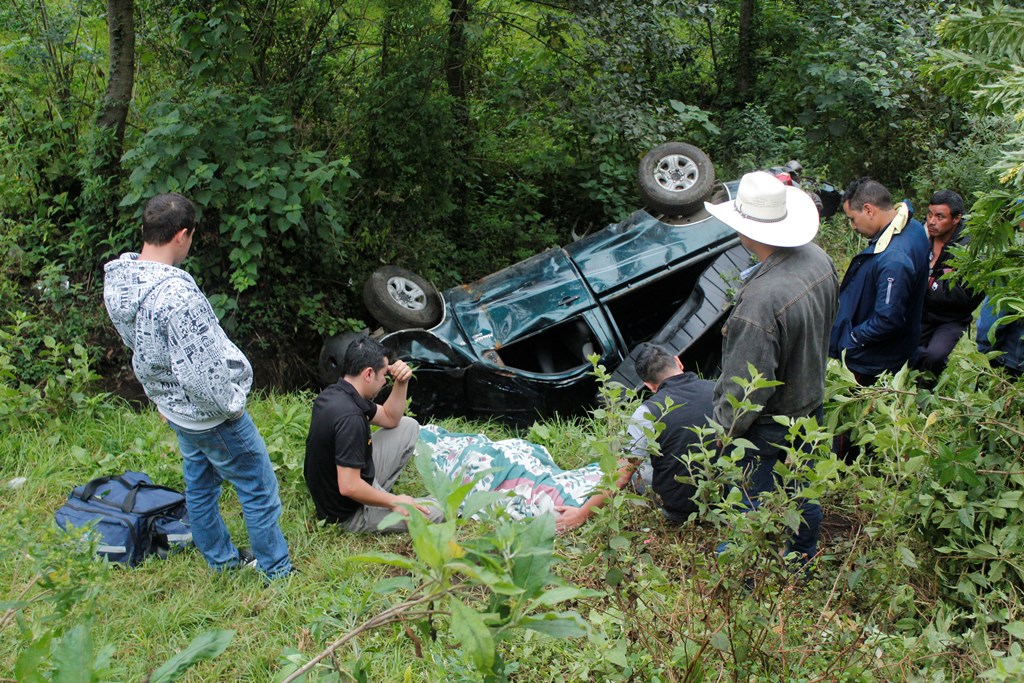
[44, 293]
[233, 157]
[49, 72]
[979, 56]
[55, 607]
[63, 578]
[750, 140]
[269, 214]
[945, 475]
[42, 377]
[935, 506]
[284, 423]
[490, 580]
[963, 164]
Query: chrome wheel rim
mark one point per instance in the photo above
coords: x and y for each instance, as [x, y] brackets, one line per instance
[407, 293]
[676, 173]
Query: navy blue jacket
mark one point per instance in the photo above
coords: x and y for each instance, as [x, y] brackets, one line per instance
[1009, 338]
[880, 303]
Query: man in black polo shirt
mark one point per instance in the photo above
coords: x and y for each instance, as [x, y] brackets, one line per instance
[663, 374]
[348, 470]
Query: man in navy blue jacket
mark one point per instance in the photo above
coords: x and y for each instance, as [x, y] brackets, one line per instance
[882, 294]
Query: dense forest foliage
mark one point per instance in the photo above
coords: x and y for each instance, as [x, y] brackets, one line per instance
[323, 139]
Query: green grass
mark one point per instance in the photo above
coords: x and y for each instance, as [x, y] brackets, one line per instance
[659, 620]
[664, 616]
[150, 612]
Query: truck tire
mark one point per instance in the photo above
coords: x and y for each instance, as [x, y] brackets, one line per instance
[675, 178]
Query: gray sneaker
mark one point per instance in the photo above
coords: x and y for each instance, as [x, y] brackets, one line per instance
[246, 560]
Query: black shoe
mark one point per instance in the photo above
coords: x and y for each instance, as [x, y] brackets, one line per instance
[246, 560]
[673, 517]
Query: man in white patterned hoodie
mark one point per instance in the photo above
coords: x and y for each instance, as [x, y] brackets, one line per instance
[199, 382]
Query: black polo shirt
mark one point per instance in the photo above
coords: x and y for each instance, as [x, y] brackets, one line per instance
[339, 436]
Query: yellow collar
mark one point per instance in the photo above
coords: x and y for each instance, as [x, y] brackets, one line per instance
[894, 228]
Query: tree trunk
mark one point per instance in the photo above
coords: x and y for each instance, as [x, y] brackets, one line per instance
[455, 73]
[114, 109]
[455, 61]
[746, 51]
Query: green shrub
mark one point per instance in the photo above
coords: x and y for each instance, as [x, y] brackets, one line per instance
[489, 581]
[55, 606]
[233, 157]
[964, 162]
[42, 377]
[750, 141]
[941, 488]
[270, 215]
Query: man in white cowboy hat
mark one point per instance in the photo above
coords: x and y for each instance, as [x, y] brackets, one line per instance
[780, 324]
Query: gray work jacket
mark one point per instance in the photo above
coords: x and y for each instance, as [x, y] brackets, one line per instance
[780, 322]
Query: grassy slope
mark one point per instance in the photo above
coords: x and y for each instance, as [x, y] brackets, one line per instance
[154, 610]
[151, 612]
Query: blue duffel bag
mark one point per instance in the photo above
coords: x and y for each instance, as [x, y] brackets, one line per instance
[133, 516]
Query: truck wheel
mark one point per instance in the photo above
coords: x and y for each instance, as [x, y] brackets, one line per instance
[399, 299]
[332, 356]
[675, 178]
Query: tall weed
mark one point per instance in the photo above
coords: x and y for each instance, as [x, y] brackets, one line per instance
[42, 377]
[942, 483]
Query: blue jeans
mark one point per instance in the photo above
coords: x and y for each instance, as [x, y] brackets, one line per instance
[233, 450]
[759, 470]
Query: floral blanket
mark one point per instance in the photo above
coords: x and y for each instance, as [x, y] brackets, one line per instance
[523, 468]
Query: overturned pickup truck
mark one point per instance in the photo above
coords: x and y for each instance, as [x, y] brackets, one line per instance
[515, 345]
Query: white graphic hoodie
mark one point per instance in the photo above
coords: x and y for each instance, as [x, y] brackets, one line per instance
[189, 368]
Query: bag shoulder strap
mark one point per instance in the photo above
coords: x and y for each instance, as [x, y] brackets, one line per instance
[129, 501]
[90, 489]
[141, 480]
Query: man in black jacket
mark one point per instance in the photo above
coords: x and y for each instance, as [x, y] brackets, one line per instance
[690, 398]
[948, 304]
[681, 401]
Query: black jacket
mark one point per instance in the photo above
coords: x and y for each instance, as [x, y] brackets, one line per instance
[948, 301]
[692, 399]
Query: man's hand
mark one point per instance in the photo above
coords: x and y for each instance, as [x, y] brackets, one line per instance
[399, 501]
[570, 517]
[400, 371]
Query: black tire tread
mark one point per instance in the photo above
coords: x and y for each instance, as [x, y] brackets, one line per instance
[388, 313]
[658, 200]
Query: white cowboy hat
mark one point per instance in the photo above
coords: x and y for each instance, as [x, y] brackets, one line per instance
[769, 212]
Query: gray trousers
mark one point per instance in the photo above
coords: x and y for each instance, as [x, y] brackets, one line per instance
[392, 449]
